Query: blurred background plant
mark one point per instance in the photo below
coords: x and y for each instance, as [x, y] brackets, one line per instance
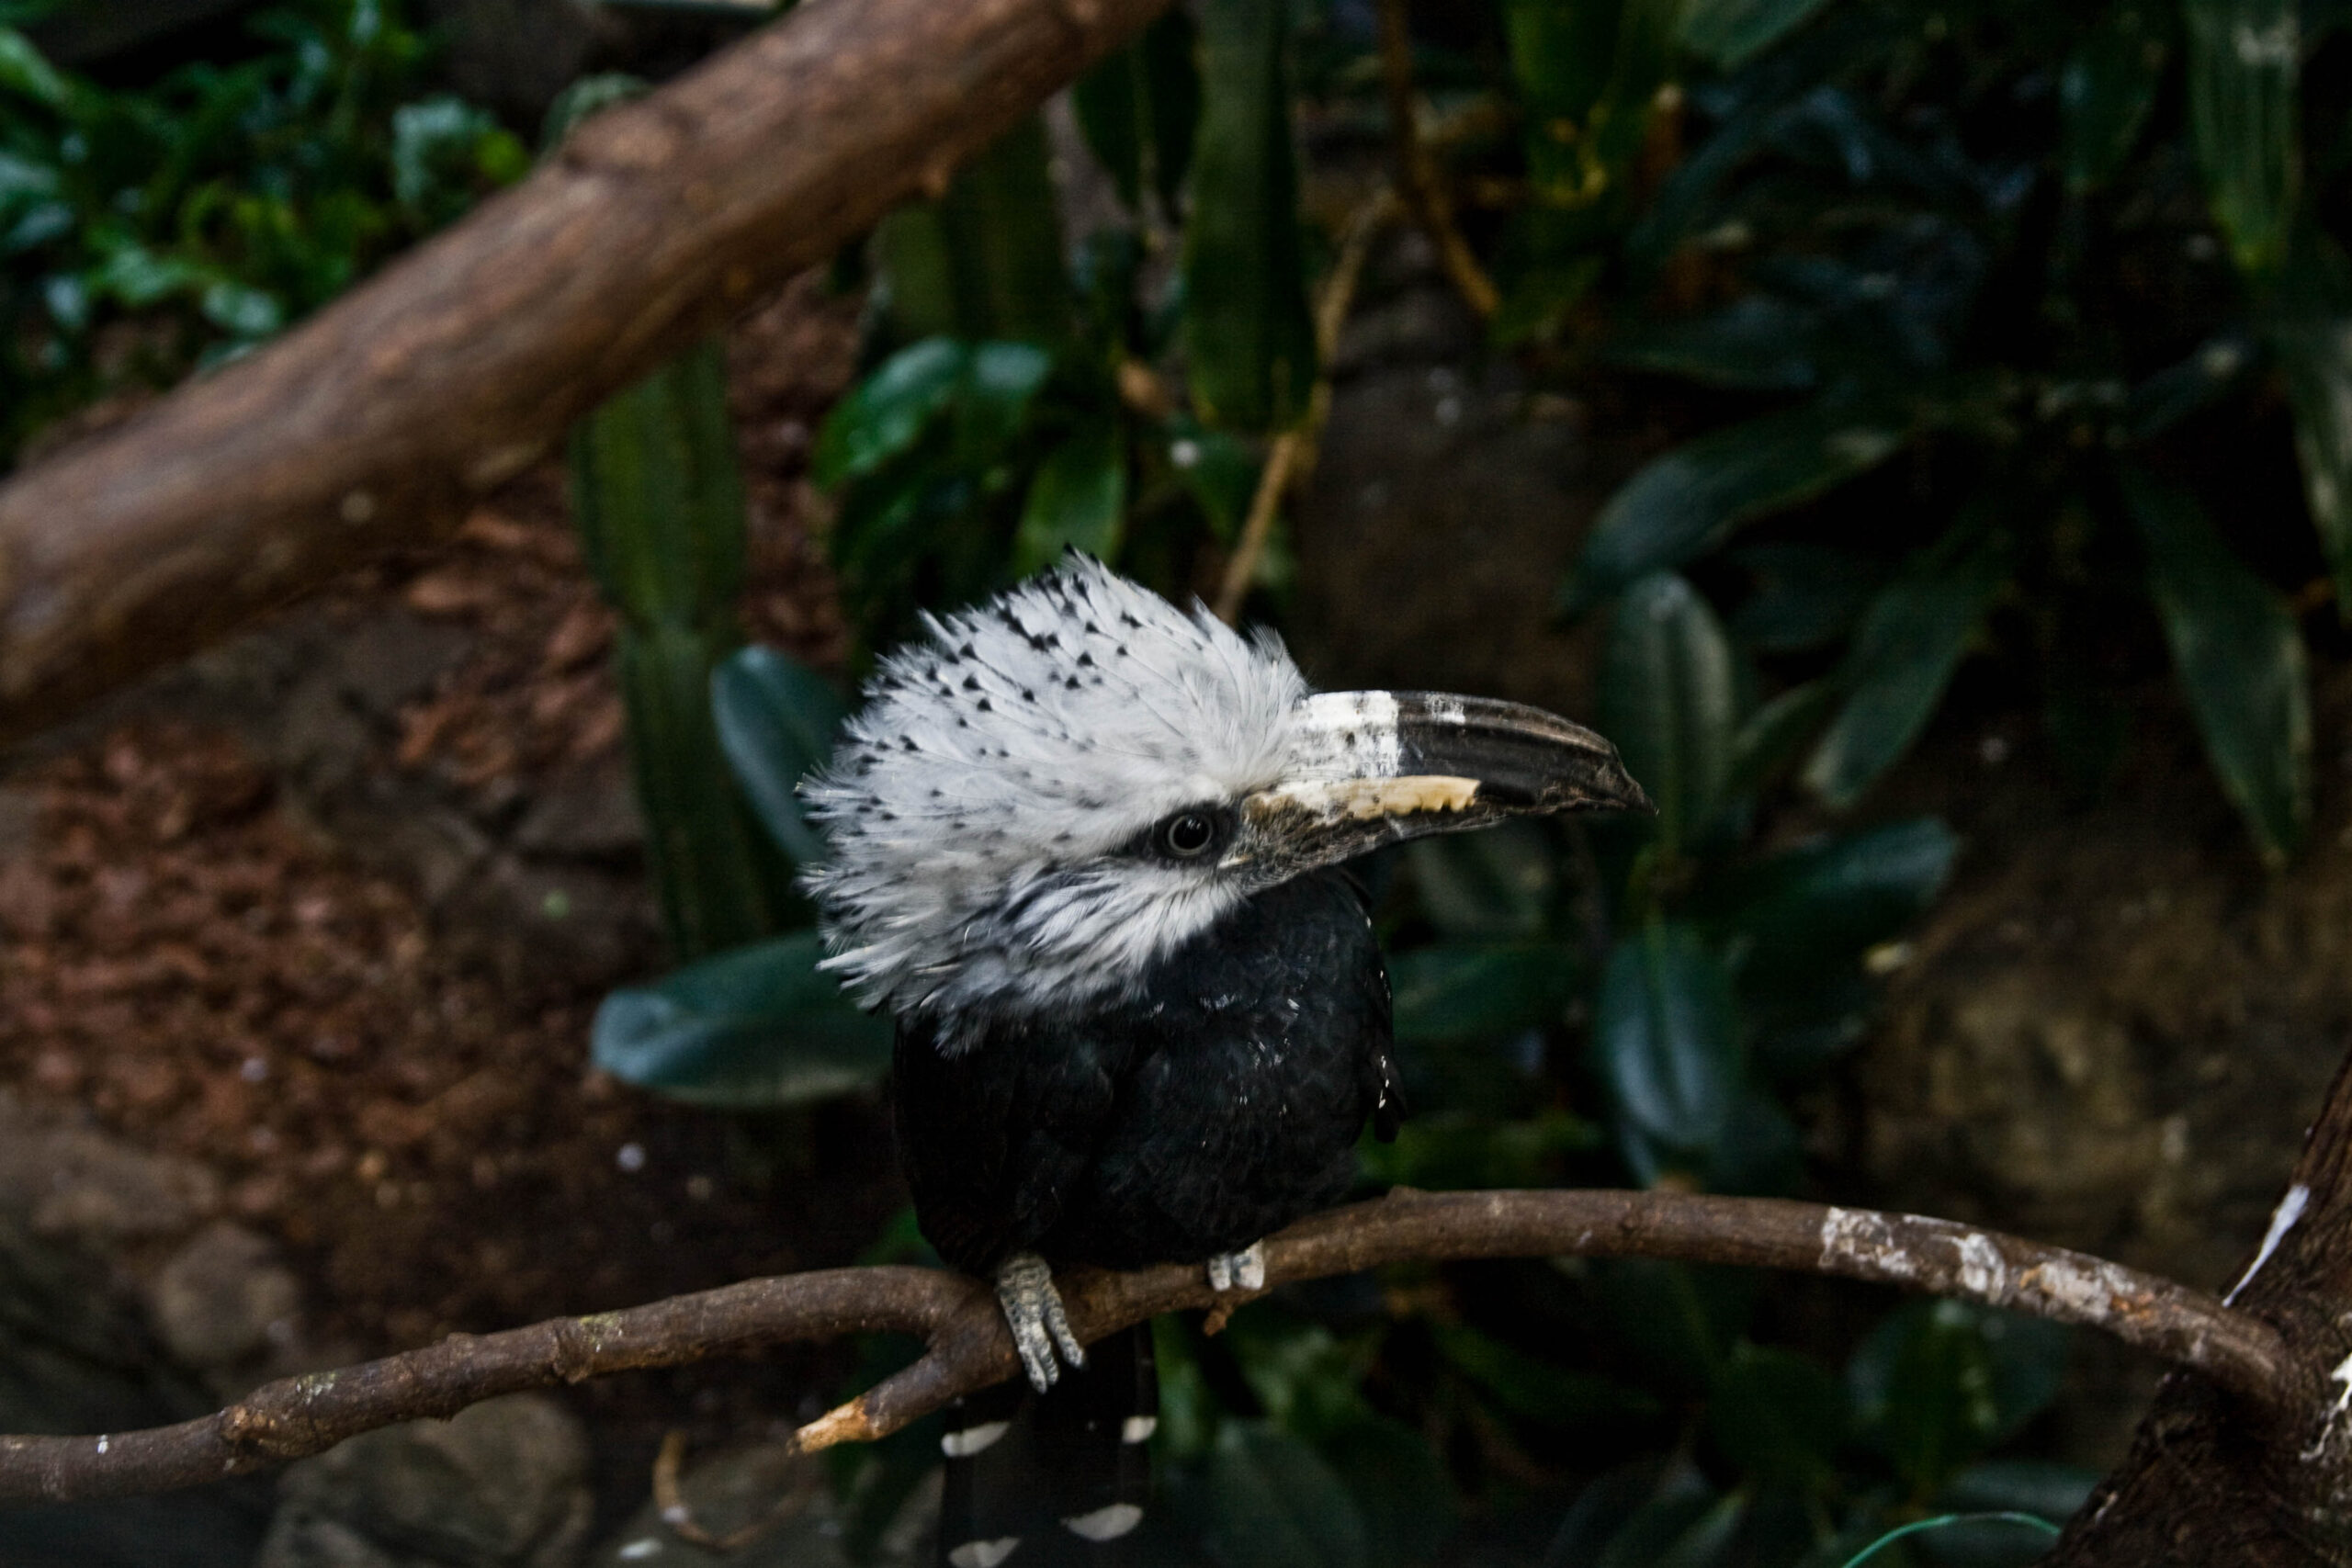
[147, 230]
[1967, 322]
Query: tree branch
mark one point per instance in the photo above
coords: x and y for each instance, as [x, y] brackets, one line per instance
[376, 423]
[969, 1348]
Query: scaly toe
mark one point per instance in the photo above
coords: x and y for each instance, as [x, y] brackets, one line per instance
[1032, 1311]
[1242, 1271]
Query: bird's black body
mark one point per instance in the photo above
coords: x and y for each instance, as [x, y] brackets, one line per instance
[1215, 1105]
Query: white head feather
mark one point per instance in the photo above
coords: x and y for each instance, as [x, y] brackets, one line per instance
[977, 807]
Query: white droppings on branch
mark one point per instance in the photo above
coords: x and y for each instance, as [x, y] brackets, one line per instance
[1983, 1273]
[2085, 1289]
[1857, 1238]
[2282, 1220]
[2342, 1376]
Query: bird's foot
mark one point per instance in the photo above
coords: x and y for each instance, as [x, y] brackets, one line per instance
[1242, 1271]
[1033, 1310]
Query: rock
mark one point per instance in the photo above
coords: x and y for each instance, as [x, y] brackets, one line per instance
[499, 1485]
[73, 1184]
[224, 1298]
[729, 1492]
[395, 657]
[588, 813]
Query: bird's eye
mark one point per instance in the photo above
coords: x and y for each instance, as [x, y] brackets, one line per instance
[1187, 835]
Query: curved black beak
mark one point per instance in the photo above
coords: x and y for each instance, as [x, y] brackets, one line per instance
[1369, 768]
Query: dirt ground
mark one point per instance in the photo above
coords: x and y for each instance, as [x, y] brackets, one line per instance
[326, 913]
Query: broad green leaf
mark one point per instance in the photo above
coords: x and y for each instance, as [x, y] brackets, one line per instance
[1728, 33]
[2107, 88]
[1779, 1416]
[2020, 1485]
[777, 720]
[27, 73]
[1271, 1502]
[1077, 500]
[1471, 992]
[1249, 334]
[992, 401]
[1537, 1390]
[1493, 887]
[1306, 1378]
[886, 413]
[758, 1027]
[1678, 1535]
[1666, 1036]
[2244, 56]
[2037, 1532]
[2240, 659]
[1588, 77]
[1400, 1486]
[1938, 1382]
[1808, 910]
[1669, 699]
[1773, 734]
[1806, 596]
[1759, 342]
[1108, 103]
[1217, 469]
[2310, 335]
[1450, 1150]
[1603, 1508]
[2217, 367]
[1678, 1322]
[1140, 107]
[1005, 241]
[1903, 656]
[1171, 70]
[1687, 500]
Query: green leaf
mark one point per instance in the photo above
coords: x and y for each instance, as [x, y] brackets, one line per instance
[1773, 733]
[2244, 56]
[1140, 107]
[1249, 334]
[1271, 1502]
[1687, 502]
[2044, 1530]
[1537, 1389]
[2105, 90]
[1940, 1382]
[2240, 659]
[992, 401]
[758, 1027]
[1171, 69]
[1806, 596]
[1493, 886]
[1108, 102]
[1666, 1036]
[1474, 992]
[886, 414]
[1759, 342]
[1401, 1488]
[1904, 655]
[2309, 329]
[1077, 500]
[1678, 1322]
[1729, 33]
[27, 73]
[1779, 1418]
[1218, 470]
[1678, 1534]
[777, 721]
[2020, 1485]
[1669, 699]
[1005, 241]
[1828, 903]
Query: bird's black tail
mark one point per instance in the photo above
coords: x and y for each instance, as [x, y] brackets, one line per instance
[1040, 1481]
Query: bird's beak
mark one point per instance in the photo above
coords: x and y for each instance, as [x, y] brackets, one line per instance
[1372, 767]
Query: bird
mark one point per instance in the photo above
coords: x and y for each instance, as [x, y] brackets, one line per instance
[1089, 850]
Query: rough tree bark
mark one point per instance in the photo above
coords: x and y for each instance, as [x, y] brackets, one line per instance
[2212, 1482]
[378, 422]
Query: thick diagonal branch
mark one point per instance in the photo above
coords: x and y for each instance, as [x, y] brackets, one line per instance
[375, 422]
[970, 1350]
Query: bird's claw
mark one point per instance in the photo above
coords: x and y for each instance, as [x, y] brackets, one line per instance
[1040, 1325]
[1242, 1271]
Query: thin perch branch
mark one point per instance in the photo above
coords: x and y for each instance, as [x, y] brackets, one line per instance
[969, 1348]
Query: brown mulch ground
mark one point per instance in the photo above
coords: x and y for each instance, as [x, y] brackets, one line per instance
[190, 959]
